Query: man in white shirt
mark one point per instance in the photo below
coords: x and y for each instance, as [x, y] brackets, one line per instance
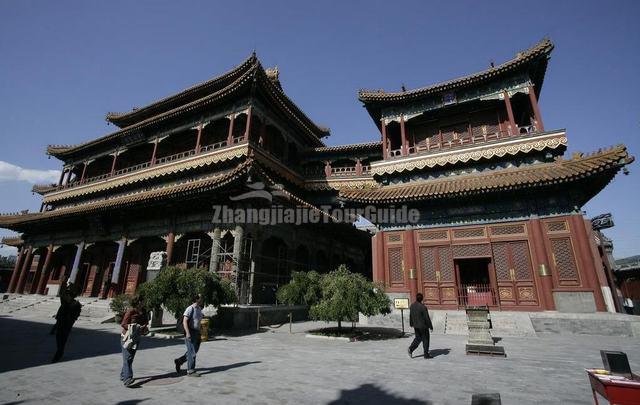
[191, 324]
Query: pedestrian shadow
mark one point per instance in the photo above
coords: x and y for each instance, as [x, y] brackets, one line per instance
[439, 352]
[132, 401]
[140, 381]
[28, 344]
[369, 393]
[211, 370]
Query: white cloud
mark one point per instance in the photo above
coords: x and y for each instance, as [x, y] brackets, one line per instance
[9, 172]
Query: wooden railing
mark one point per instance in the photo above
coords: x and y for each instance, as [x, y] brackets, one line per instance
[158, 161]
[477, 295]
[463, 139]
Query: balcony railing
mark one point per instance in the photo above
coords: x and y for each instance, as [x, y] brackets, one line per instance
[159, 161]
[463, 139]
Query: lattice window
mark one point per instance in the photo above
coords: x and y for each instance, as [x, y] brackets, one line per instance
[521, 260]
[508, 229]
[483, 250]
[557, 226]
[446, 264]
[395, 265]
[501, 261]
[428, 260]
[564, 259]
[394, 238]
[468, 233]
[484, 123]
[436, 235]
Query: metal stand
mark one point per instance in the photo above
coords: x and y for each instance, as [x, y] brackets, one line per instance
[402, 317]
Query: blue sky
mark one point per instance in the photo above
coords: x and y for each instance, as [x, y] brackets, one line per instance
[64, 65]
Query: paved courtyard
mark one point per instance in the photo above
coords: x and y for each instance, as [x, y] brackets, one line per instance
[275, 367]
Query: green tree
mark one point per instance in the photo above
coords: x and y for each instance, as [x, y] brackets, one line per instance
[345, 294]
[174, 288]
[303, 289]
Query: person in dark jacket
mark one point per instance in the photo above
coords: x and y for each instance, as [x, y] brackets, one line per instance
[135, 322]
[421, 323]
[66, 316]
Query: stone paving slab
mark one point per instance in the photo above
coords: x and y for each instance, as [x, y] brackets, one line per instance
[275, 367]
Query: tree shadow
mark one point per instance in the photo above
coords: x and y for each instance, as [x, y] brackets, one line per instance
[496, 339]
[369, 393]
[28, 344]
[359, 334]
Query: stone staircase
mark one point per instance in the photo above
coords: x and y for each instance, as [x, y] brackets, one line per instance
[94, 310]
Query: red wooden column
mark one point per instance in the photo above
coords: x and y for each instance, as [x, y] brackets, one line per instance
[247, 130]
[583, 256]
[45, 272]
[404, 149]
[61, 176]
[262, 141]
[512, 121]
[383, 128]
[230, 135]
[198, 138]
[542, 274]
[16, 271]
[84, 171]
[377, 251]
[113, 164]
[170, 240]
[536, 110]
[410, 261]
[154, 153]
[327, 168]
[69, 175]
[23, 273]
[358, 167]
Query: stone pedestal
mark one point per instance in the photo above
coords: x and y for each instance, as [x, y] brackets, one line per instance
[480, 339]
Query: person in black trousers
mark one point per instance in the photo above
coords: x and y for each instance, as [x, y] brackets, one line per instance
[67, 314]
[421, 323]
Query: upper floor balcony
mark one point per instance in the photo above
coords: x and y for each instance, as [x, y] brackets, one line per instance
[153, 162]
[456, 139]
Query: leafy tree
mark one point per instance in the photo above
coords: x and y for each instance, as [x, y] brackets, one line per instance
[345, 294]
[303, 289]
[174, 288]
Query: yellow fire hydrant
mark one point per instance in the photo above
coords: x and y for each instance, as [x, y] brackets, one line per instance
[204, 330]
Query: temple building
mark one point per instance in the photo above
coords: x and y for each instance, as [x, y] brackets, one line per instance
[500, 220]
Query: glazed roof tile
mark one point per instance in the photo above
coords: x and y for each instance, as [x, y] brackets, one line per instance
[541, 50]
[560, 171]
[210, 182]
[252, 73]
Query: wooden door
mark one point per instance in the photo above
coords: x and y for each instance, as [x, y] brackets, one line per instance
[514, 273]
[437, 275]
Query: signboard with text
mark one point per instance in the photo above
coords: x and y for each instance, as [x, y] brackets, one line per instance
[401, 303]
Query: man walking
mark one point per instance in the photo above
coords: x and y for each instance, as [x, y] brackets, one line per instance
[421, 323]
[66, 316]
[191, 324]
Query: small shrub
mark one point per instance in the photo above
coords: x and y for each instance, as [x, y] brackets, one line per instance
[174, 289]
[119, 304]
[303, 289]
[345, 294]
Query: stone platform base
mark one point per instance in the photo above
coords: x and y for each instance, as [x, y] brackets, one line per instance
[254, 317]
[488, 350]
